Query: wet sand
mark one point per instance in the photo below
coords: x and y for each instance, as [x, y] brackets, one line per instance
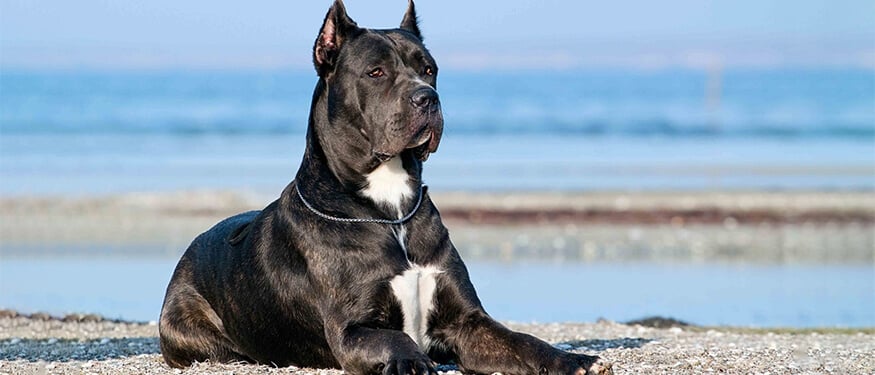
[735, 226]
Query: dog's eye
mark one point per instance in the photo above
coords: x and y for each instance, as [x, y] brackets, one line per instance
[428, 71]
[376, 73]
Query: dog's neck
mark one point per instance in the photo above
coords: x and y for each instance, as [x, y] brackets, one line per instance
[389, 184]
[356, 178]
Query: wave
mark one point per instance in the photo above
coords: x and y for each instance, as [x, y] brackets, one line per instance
[592, 129]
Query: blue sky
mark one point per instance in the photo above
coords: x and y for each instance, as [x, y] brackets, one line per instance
[462, 34]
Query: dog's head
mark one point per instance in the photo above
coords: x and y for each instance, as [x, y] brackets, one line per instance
[380, 85]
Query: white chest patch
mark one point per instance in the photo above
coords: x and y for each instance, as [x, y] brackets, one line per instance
[415, 290]
[389, 184]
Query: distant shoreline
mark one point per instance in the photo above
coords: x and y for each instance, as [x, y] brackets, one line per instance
[502, 208]
[831, 227]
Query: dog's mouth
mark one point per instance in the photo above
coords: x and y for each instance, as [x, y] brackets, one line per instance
[423, 148]
[424, 142]
[420, 147]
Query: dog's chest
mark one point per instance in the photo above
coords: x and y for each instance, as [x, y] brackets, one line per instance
[415, 289]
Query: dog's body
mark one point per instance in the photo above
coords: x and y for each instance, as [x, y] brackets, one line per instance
[296, 284]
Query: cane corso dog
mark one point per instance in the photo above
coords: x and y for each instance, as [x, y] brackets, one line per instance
[351, 267]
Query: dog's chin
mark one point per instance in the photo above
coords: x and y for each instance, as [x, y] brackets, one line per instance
[422, 147]
[421, 152]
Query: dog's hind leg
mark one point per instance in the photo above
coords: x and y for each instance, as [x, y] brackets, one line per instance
[190, 331]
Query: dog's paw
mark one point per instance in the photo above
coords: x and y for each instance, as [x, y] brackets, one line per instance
[578, 364]
[420, 365]
[592, 365]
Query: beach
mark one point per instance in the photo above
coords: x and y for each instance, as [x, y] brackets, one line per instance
[88, 345]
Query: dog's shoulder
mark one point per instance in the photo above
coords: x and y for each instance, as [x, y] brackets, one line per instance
[238, 226]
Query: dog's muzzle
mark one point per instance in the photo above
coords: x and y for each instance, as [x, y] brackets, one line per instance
[428, 120]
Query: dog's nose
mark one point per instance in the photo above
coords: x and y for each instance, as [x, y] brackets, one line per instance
[424, 98]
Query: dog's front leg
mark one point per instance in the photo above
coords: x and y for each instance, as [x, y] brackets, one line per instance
[484, 346]
[364, 350]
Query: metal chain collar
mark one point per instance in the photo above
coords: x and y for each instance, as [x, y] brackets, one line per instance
[356, 220]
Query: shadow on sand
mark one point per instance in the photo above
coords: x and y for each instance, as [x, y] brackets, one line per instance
[599, 345]
[64, 350]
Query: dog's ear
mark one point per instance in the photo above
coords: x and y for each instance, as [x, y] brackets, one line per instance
[335, 29]
[410, 22]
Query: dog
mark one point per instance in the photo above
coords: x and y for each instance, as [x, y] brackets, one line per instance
[351, 267]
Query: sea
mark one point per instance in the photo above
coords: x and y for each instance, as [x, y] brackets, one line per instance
[741, 295]
[99, 132]
[82, 133]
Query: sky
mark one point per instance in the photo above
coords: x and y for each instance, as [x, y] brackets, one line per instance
[509, 34]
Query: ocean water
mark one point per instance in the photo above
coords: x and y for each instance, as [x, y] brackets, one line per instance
[750, 295]
[102, 132]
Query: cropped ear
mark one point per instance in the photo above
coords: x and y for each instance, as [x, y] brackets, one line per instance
[335, 29]
[410, 22]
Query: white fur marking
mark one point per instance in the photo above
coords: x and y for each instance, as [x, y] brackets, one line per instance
[401, 236]
[389, 184]
[415, 290]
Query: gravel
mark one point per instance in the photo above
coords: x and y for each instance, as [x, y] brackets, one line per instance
[87, 346]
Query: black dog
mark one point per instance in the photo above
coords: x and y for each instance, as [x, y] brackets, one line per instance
[351, 267]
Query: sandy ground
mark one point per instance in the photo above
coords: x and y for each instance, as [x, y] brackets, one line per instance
[598, 226]
[52, 346]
